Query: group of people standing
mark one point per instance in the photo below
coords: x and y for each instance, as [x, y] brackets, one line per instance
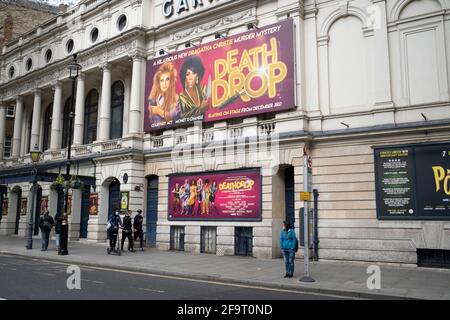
[46, 224]
[127, 226]
[196, 198]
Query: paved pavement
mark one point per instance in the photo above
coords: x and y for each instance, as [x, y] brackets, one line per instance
[49, 281]
[338, 278]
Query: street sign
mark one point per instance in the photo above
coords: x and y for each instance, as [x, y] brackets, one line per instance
[305, 196]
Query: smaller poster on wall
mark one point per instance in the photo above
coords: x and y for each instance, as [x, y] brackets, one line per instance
[23, 206]
[44, 204]
[226, 195]
[5, 207]
[93, 203]
[124, 200]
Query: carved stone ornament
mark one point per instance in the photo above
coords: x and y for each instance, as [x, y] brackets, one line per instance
[212, 24]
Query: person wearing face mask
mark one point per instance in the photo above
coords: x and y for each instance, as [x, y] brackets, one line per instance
[126, 232]
[113, 229]
[137, 224]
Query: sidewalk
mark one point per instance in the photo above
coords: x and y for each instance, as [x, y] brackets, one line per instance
[339, 278]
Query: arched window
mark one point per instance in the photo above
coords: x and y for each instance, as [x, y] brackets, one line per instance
[47, 127]
[90, 117]
[66, 123]
[117, 93]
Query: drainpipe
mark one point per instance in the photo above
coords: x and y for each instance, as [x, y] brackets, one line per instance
[316, 233]
[95, 173]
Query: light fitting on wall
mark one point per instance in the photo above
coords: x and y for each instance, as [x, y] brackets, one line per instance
[162, 51]
[189, 44]
[218, 35]
[345, 124]
[251, 26]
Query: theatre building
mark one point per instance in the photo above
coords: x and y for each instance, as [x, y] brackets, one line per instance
[213, 116]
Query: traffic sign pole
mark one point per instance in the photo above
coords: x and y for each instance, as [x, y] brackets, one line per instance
[306, 277]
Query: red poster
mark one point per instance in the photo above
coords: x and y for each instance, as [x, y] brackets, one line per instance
[93, 204]
[231, 195]
[23, 206]
[5, 207]
[44, 204]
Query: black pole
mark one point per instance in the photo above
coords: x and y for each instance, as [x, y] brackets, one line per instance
[33, 210]
[64, 226]
[316, 233]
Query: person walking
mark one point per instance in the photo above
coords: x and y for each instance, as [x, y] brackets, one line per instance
[288, 241]
[137, 224]
[127, 231]
[46, 224]
[113, 229]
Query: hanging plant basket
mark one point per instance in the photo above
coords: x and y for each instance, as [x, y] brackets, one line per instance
[58, 183]
[75, 183]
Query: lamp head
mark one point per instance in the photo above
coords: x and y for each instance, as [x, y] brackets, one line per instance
[35, 154]
[74, 67]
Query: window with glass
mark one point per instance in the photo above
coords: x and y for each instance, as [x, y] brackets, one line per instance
[117, 98]
[90, 117]
[66, 123]
[47, 127]
[8, 147]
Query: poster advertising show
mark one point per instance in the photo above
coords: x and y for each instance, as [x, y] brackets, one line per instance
[227, 195]
[237, 76]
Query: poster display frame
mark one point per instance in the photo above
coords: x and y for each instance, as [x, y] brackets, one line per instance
[418, 214]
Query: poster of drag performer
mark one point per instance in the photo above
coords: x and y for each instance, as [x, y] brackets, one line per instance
[163, 101]
[194, 97]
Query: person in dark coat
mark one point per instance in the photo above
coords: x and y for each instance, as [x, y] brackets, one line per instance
[113, 228]
[137, 224]
[46, 224]
[127, 231]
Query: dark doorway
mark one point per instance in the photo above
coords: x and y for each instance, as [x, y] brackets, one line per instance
[19, 203]
[243, 241]
[289, 195]
[84, 211]
[38, 211]
[114, 197]
[152, 210]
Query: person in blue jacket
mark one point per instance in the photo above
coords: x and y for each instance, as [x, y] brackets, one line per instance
[288, 241]
[113, 228]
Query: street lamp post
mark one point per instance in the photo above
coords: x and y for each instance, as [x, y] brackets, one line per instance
[35, 157]
[74, 70]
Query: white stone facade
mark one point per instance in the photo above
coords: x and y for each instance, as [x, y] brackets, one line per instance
[368, 73]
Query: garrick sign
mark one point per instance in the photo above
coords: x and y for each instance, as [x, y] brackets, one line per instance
[413, 181]
[169, 7]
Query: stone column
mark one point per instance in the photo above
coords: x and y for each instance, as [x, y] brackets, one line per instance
[136, 98]
[55, 138]
[79, 112]
[17, 135]
[105, 107]
[36, 121]
[2, 128]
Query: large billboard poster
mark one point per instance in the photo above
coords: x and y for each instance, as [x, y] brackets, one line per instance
[227, 195]
[413, 182]
[242, 75]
